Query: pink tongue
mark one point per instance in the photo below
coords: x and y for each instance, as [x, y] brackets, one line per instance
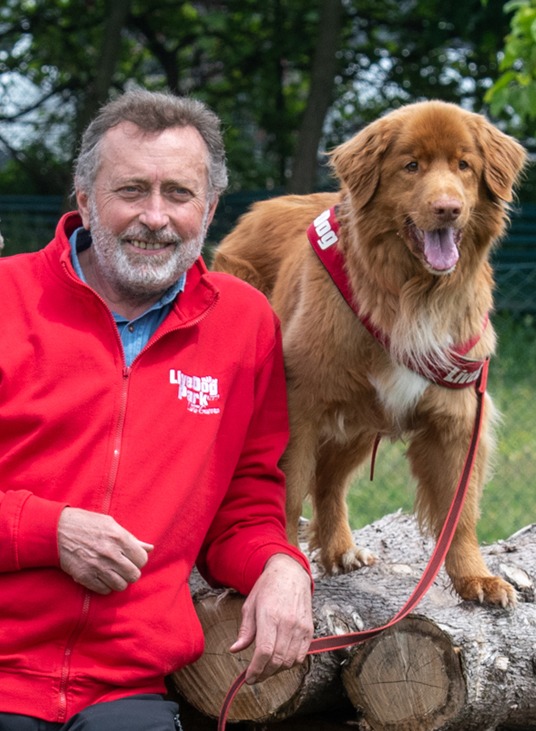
[440, 249]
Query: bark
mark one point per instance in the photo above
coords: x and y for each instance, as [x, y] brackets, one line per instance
[99, 87]
[323, 72]
[452, 665]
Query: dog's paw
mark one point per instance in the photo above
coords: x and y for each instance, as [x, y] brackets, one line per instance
[351, 560]
[487, 590]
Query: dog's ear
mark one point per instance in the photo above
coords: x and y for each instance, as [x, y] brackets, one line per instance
[357, 162]
[504, 159]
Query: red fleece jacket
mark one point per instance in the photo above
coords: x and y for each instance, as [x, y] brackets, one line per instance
[181, 449]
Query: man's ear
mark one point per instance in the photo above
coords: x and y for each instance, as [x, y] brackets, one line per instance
[82, 202]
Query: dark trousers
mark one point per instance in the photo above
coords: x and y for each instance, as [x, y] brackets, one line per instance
[136, 713]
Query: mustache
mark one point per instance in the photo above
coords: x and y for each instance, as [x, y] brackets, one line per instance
[141, 233]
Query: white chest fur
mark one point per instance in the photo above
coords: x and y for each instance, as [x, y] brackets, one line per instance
[399, 390]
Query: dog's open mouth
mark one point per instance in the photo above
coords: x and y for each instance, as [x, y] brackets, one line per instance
[439, 248]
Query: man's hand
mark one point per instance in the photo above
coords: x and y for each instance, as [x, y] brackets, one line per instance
[278, 615]
[97, 552]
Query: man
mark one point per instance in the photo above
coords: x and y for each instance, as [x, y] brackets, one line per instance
[143, 415]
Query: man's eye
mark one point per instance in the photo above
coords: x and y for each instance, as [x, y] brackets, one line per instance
[129, 190]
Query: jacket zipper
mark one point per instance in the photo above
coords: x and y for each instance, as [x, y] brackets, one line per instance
[190, 323]
[65, 673]
[105, 509]
[118, 436]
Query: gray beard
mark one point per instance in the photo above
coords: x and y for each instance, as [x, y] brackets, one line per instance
[136, 277]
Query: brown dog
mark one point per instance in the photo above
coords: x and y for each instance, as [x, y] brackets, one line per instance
[424, 196]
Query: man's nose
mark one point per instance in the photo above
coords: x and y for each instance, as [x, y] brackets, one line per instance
[154, 213]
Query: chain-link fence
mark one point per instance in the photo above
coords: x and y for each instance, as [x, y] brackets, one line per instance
[28, 223]
[516, 284]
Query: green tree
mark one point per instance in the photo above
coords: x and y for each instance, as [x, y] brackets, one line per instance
[514, 92]
[289, 78]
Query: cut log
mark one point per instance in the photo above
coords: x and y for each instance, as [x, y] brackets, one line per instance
[312, 686]
[409, 680]
[464, 669]
[452, 665]
[455, 665]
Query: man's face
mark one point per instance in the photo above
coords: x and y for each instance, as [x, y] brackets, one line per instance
[149, 210]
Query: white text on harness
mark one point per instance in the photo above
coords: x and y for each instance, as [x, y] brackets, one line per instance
[326, 235]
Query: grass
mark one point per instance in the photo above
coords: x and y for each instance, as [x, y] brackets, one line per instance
[507, 502]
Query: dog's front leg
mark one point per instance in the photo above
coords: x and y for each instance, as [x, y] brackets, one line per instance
[330, 529]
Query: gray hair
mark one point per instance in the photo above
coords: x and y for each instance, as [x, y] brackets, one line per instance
[153, 112]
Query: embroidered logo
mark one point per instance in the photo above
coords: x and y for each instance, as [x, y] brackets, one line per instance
[199, 392]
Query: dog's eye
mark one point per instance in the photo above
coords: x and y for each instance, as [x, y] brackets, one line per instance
[412, 167]
[463, 165]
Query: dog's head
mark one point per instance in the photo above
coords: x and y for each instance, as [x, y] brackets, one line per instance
[434, 172]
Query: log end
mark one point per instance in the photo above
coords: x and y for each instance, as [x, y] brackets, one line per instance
[409, 678]
[205, 683]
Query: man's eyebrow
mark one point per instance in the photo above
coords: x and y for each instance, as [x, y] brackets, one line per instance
[129, 179]
[183, 180]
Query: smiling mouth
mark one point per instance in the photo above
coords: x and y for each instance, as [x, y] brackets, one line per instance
[145, 246]
[438, 248]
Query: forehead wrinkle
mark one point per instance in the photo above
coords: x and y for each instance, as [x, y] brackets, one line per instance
[175, 150]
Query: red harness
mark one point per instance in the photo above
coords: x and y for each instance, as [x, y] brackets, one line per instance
[459, 371]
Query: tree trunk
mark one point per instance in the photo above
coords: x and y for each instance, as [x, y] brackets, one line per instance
[453, 665]
[98, 88]
[305, 160]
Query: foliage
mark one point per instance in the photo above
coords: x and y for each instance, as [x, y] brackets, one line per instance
[515, 89]
[410, 51]
[249, 59]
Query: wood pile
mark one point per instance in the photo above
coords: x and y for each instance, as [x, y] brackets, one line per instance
[451, 665]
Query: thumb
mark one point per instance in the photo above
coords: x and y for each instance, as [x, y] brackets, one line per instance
[246, 635]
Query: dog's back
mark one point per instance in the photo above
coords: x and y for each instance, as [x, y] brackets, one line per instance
[270, 237]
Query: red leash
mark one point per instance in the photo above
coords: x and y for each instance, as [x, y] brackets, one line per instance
[338, 642]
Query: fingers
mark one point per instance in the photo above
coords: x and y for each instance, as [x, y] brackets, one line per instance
[113, 573]
[280, 648]
[277, 615]
[99, 553]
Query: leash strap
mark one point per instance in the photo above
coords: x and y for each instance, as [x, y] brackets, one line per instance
[339, 642]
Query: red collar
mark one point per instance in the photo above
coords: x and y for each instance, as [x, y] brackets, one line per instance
[460, 371]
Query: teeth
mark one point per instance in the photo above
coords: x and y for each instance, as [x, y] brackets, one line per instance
[146, 246]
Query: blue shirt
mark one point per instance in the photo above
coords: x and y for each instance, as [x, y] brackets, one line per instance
[136, 333]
